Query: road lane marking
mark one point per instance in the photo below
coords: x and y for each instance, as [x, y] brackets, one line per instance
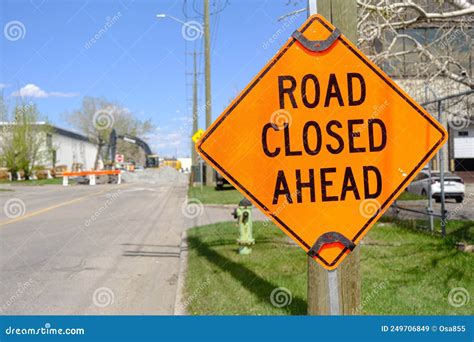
[44, 210]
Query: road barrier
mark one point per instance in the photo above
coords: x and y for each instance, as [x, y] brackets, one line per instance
[92, 175]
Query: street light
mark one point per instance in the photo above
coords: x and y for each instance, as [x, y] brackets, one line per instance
[192, 24]
[190, 31]
[163, 15]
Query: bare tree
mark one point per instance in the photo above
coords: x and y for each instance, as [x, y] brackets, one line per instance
[426, 46]
[425, 39]
[98, 116]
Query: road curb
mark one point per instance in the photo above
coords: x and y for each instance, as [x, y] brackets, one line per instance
[179, 303]
[220, 205]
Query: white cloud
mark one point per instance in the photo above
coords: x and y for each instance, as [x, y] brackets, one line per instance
[32, 90]
[3, 86]
[169, 142]
[60, 94]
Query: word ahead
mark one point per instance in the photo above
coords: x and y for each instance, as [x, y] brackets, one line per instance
[322, 141]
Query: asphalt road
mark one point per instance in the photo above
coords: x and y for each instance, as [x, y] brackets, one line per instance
[104, 249]
[456, 211]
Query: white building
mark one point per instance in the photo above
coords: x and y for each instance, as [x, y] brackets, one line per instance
[456, 116]
[463, 143]
[69, 149]
[185, 164]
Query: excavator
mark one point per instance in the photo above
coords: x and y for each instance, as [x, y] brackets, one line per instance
[152, 160]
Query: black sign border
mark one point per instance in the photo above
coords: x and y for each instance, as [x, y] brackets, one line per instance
[343, 40]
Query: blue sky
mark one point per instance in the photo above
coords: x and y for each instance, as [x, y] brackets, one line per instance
[49, 51]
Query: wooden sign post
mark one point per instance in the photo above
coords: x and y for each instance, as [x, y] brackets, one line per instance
[342, 294]
[321, 141]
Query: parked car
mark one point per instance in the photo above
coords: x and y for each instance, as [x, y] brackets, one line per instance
[220, 181]
[453, 186]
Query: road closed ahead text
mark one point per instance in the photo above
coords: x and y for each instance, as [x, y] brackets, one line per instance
[336, 137]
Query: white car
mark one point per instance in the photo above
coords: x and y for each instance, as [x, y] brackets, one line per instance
[453, 186]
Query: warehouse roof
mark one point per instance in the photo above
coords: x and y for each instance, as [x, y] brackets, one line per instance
[58, 130]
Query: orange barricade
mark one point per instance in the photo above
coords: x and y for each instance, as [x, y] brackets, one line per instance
[92, 174]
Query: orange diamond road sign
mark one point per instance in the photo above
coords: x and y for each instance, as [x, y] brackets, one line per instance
[322, 141]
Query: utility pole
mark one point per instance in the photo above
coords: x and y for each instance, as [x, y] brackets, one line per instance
[207, 75]
[441, 179]
[336, 292]
[195, 109]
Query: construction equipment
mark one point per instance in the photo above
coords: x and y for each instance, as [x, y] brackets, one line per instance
[152, 160]
[174, 163]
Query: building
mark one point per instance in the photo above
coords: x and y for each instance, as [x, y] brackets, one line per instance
[456, 116]
[64, 148]
[422, 69]
[185, 164]
[73, 150]
[463, 143]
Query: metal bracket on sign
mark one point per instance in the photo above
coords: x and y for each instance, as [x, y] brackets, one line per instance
[330, 237]
[317, 45]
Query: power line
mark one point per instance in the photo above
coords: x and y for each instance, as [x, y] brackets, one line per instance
[212, 12]
[198, 45]
[185, 11]
[216, 26]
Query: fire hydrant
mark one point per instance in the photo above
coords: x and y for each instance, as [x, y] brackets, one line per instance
[243, 214]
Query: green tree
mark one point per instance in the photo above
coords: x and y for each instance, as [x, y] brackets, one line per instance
[22, 138]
